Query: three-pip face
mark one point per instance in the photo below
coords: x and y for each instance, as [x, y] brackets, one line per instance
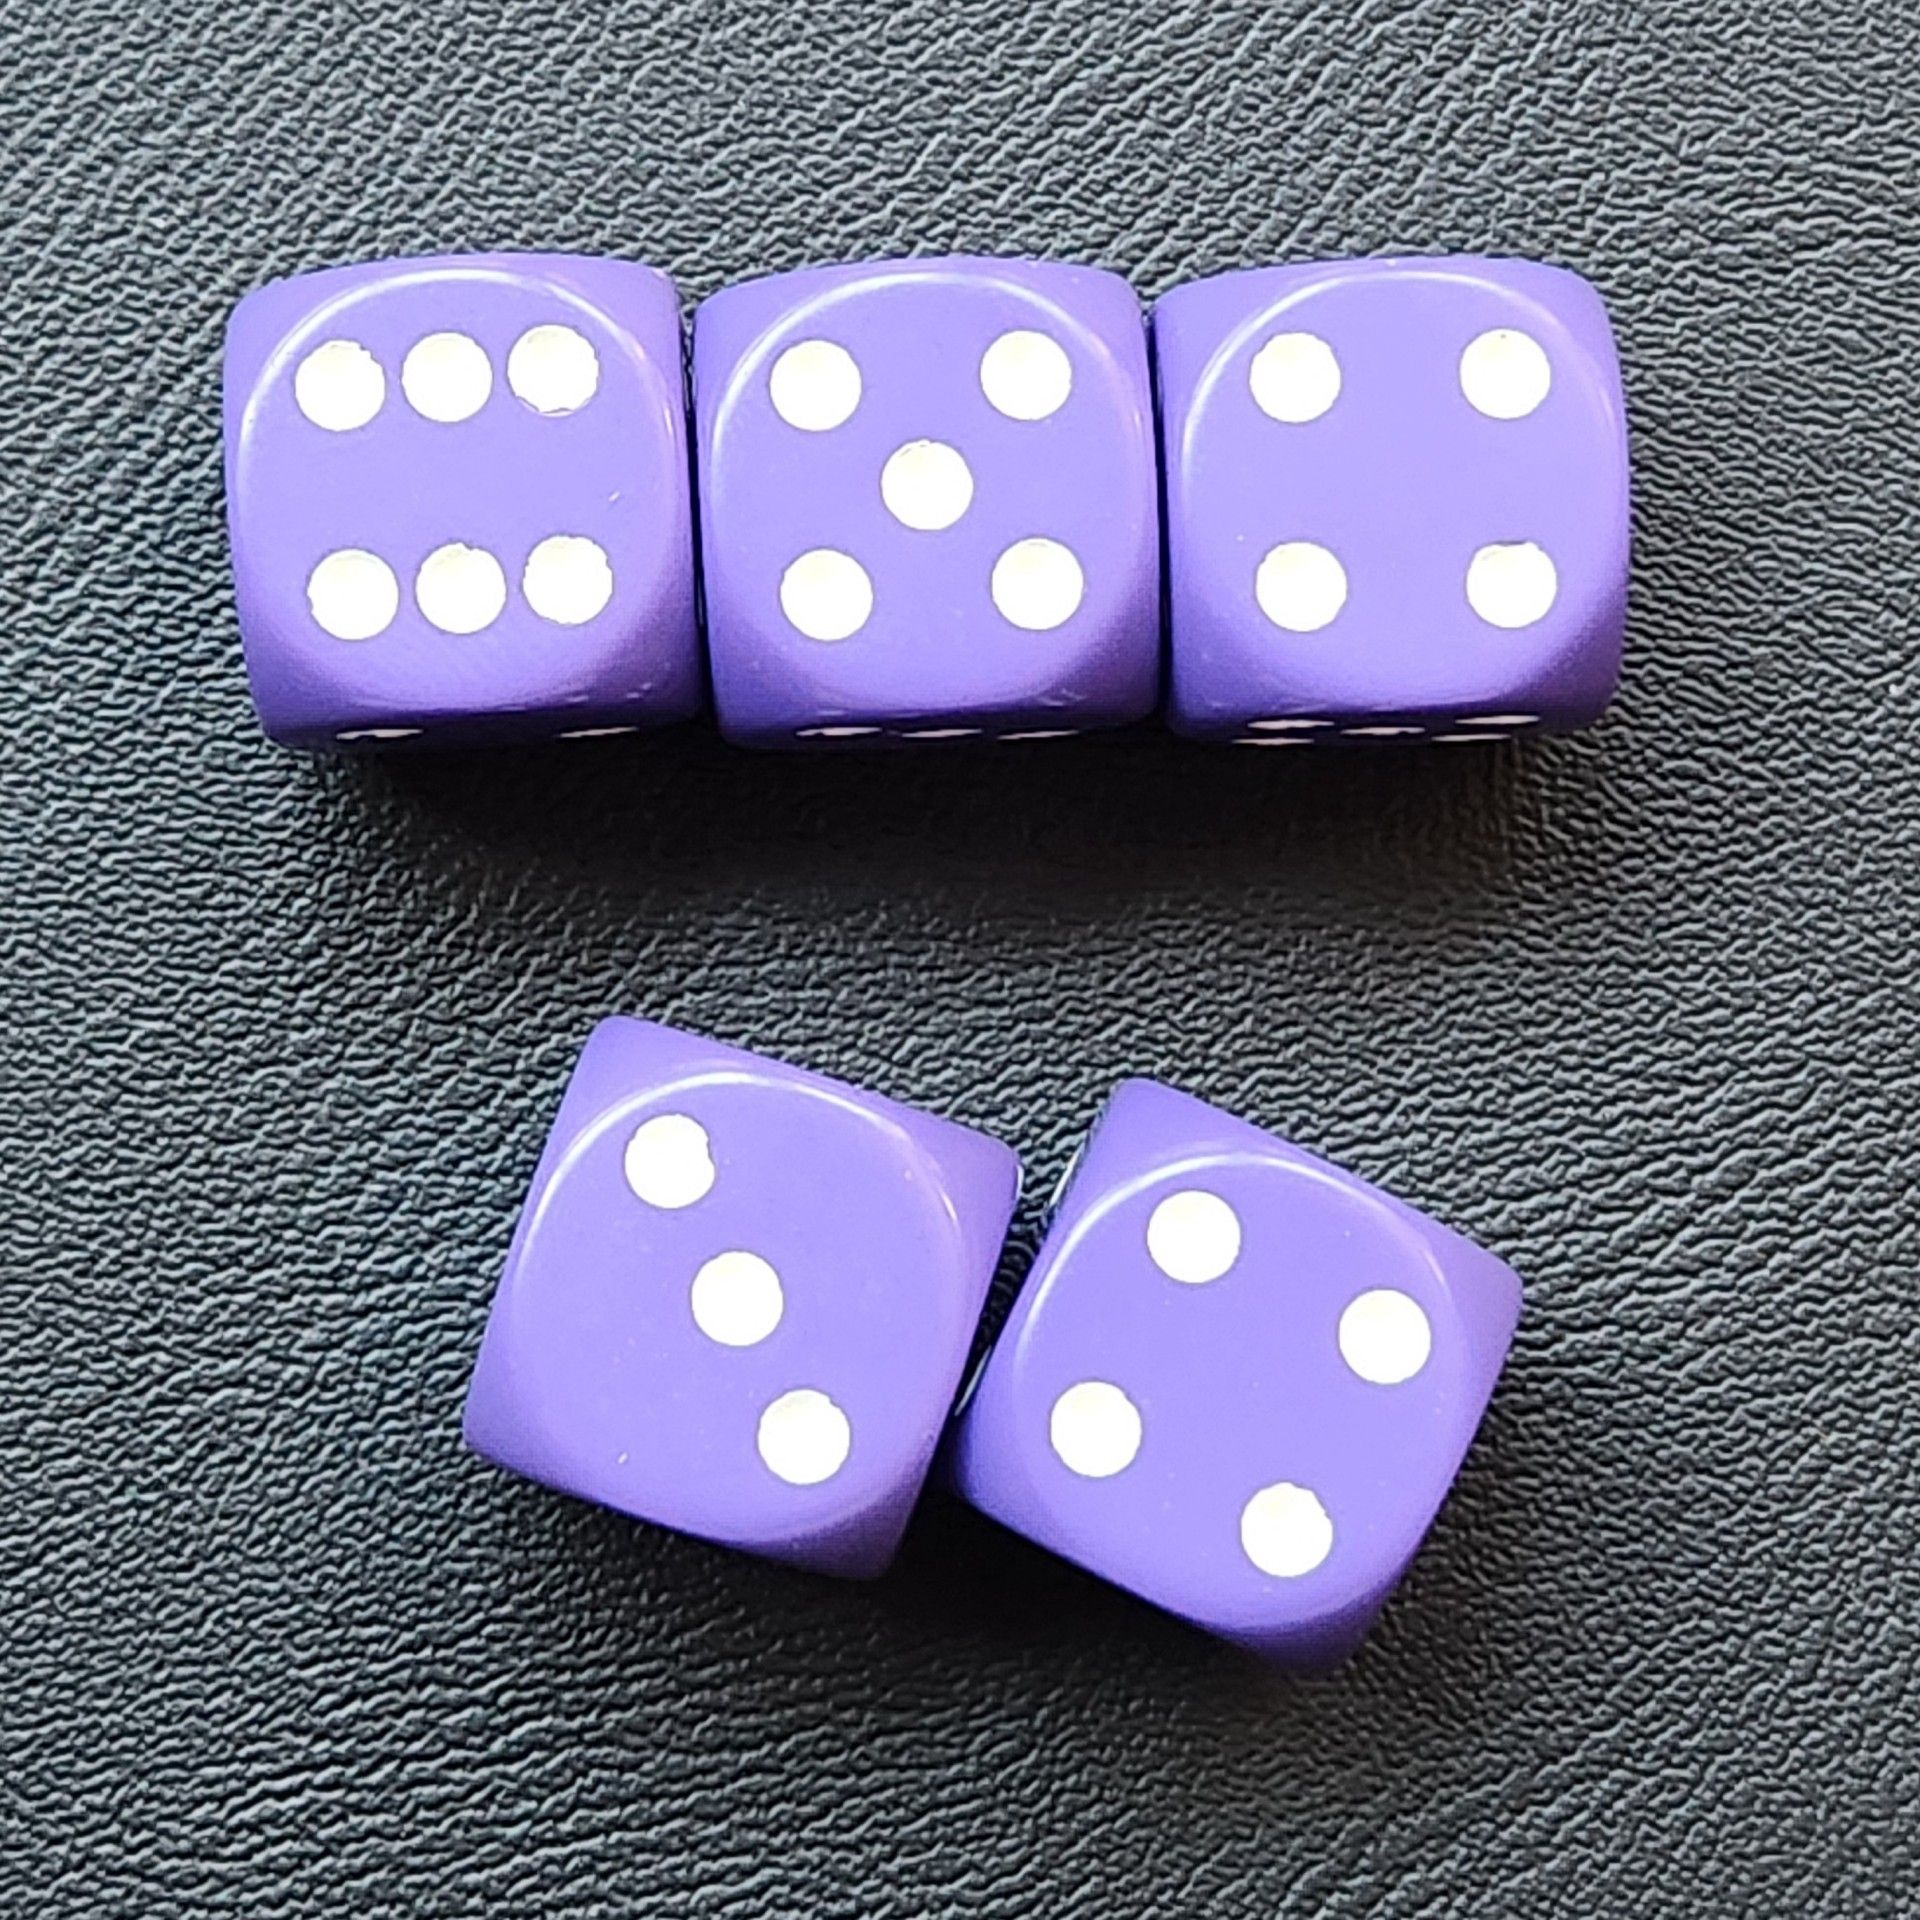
[740, 1298]
[1396, 498]
[459, 501]
[928, 502]
[1238, 1380]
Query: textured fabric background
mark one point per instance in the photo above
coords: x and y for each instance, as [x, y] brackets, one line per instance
[1639, 1010]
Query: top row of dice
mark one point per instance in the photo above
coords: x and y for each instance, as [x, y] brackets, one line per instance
[929, 504]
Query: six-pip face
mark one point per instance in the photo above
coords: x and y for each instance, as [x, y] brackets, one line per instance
[459, 501]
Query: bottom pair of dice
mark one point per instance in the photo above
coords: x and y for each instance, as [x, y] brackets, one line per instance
[1238, 1380]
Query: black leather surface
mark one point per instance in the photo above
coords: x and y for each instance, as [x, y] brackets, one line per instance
[1638, 1009]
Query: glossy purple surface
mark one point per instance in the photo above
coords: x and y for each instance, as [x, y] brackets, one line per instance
[1240, 1382]
[1401, 478]
[612, 470]
[883, 1226]
[935, 654]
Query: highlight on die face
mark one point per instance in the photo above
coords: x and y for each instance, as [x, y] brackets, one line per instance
[1392, 495]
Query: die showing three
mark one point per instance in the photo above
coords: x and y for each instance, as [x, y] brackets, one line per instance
[929, 502]
[740, 1298]
[1238, 1380]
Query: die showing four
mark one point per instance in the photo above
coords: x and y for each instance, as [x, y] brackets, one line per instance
[1238, 1380]
[928, 502]
[739, 1299]
[1396, 501]
[457, 490]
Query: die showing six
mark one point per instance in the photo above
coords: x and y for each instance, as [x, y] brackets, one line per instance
[1395, 502]
[457, 492]
[1238, 1381]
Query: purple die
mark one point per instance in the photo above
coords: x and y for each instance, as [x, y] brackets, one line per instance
[928, 503]
[1238, 1381]
[458, 496]
[739, 1298]
[1396, 501]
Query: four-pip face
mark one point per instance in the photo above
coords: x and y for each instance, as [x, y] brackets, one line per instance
[928, 502]
[1238, 1381]
[740, 1298]
[459, 501]
[1396, 500]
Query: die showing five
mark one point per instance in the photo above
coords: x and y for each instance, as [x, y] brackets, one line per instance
[1238, 1381]
[1394, 502]
[928, 502]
